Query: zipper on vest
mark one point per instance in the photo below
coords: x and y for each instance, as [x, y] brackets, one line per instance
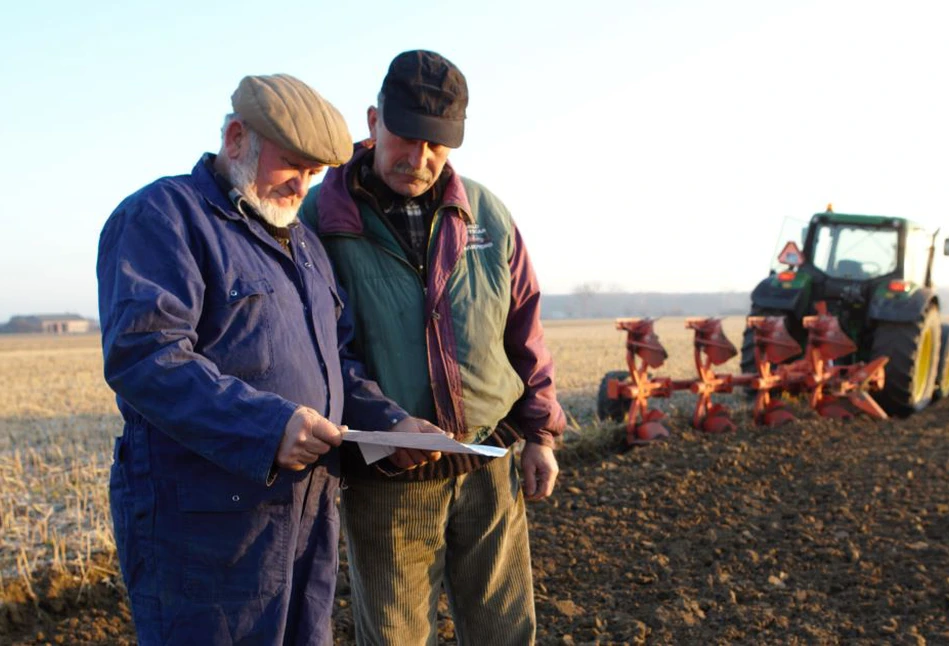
[386, 250]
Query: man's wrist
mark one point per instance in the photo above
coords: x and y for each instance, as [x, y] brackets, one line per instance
[396, 419]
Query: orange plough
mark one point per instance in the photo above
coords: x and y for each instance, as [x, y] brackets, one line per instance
[827, 386]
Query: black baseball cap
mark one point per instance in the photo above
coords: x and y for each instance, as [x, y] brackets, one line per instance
[424, 97]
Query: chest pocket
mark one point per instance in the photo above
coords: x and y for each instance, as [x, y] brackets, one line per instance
[245, 349]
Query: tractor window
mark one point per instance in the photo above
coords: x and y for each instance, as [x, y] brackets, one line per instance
[917, 255]
[855, 253]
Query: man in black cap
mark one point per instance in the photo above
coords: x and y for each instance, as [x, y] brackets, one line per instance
[222, 328]
[448, 323]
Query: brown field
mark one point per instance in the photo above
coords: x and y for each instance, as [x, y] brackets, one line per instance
[819, 532]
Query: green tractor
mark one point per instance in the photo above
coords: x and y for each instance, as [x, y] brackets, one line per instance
[875, 275]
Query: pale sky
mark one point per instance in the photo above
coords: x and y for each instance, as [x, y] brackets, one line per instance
[642, 146]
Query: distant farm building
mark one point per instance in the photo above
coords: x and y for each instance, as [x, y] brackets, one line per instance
[49, 324]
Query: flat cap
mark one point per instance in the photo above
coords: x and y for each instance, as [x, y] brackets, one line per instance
[294, 116]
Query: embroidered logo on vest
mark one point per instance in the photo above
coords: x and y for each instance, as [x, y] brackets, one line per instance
[478, 238]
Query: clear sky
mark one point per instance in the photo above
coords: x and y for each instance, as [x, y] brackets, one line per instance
[640, 145]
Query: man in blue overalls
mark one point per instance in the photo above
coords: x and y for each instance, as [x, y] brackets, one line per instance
[224, 337]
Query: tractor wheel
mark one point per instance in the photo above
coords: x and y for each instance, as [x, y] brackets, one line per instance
[748, 364]
[607, 409]
[913, 349]
[942, 379]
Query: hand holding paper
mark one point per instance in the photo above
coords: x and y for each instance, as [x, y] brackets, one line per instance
[408, 457]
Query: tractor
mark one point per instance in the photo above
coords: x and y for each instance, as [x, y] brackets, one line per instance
[874, 273]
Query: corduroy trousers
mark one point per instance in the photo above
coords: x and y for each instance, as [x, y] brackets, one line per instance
[405, 540]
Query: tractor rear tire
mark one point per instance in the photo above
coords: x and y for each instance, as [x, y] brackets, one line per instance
[942, 379]
[607, 409]
[748, 364]
[913, 349]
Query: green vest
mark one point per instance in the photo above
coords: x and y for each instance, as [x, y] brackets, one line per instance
[394, 327]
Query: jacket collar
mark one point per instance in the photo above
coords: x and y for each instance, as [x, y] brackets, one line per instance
[339, 212]
[211, 188]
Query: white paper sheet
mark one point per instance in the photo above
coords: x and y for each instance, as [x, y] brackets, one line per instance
[376, 445]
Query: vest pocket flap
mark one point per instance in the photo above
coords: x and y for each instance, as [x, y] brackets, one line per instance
[242, 288]
[223, 498]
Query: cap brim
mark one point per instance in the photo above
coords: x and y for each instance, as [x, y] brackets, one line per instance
[410, 125]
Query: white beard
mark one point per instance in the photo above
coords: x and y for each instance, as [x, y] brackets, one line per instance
[278, 216]
[243, 175]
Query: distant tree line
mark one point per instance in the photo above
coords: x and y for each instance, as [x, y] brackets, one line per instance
[588, 300]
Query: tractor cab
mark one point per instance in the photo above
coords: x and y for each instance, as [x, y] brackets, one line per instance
[853, 251]
[862, 248]
[849, 259]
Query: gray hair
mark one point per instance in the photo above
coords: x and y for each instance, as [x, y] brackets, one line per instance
[253, 139]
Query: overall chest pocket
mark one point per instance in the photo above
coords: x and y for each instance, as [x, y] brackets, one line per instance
[245, 346]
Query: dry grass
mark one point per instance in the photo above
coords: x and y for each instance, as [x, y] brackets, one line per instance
[58, 420]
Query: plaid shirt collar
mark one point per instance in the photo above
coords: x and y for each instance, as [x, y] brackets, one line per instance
[409, 218]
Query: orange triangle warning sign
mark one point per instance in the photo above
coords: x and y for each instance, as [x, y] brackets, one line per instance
[791, 255]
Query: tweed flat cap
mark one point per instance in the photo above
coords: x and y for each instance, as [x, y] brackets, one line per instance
[294, 116]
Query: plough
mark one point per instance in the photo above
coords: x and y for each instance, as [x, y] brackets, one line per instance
[829, 387]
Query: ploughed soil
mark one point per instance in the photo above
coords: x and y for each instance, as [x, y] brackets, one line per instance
[819, 532]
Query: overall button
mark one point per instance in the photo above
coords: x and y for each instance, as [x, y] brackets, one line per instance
[307, 265]
[236, 498]
[233, 293]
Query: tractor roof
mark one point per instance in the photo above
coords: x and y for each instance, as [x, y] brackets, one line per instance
[868, 220]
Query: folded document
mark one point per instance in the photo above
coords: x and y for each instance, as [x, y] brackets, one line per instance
[376, 445]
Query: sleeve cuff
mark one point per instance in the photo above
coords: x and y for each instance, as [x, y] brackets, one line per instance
[266, 472]
[542, 437]
[396, 417]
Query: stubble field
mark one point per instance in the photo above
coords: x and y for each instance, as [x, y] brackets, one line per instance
[819, 532]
